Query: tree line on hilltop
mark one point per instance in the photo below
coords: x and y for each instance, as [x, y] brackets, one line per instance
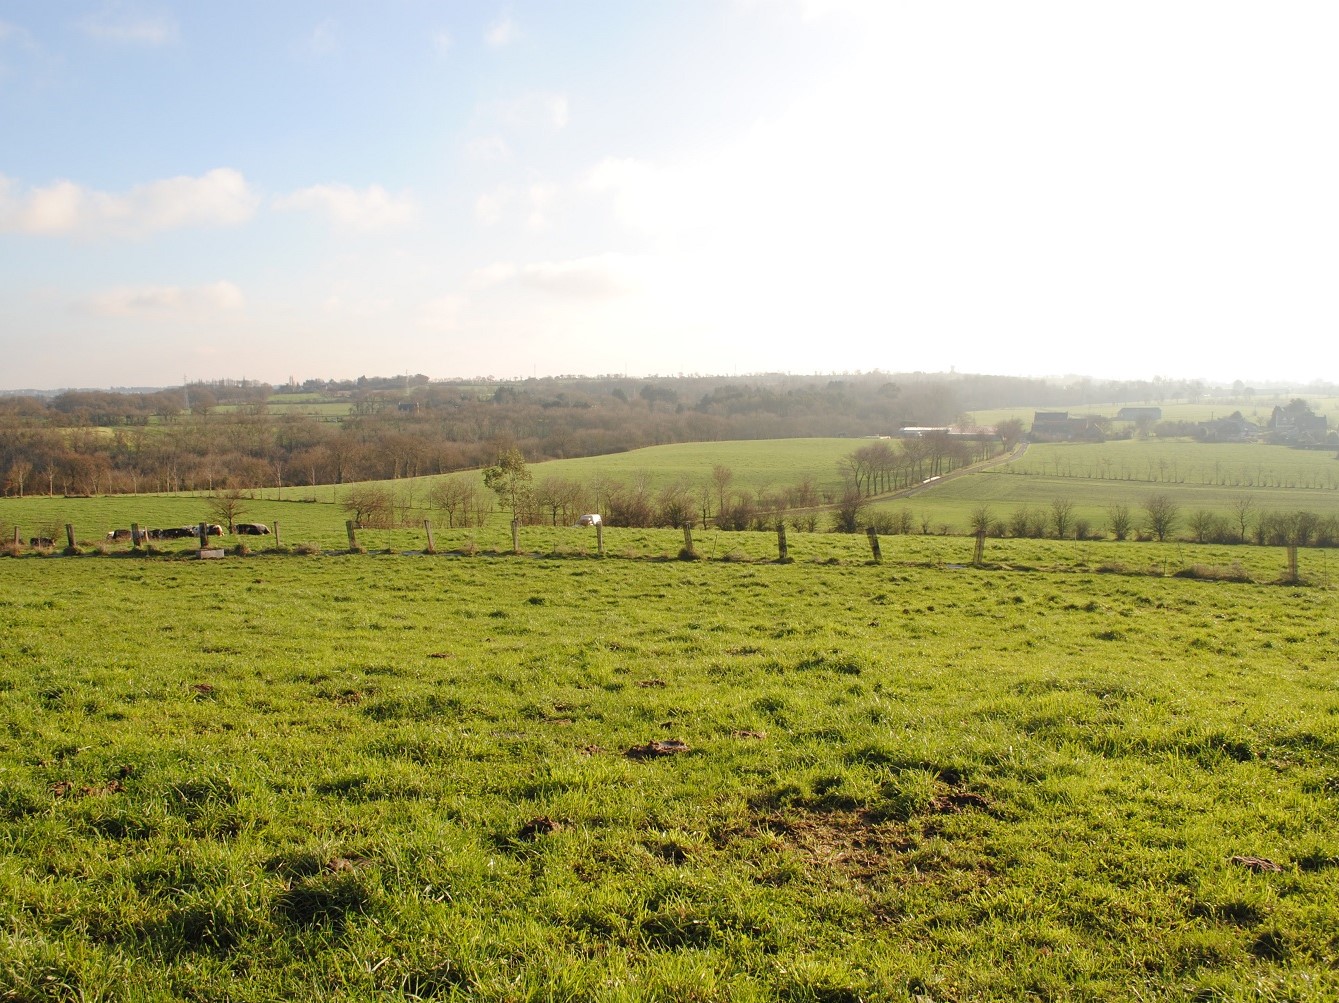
[236, 434]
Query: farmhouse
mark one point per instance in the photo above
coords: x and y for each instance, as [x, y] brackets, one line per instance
[1058, 426]
[1139, 414]
[1233, 428]
[1297, 425]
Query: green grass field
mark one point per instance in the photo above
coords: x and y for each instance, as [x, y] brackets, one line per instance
[757, 465]
[374, 777]
[1093, 477]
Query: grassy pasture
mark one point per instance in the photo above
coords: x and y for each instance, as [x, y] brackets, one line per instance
[390, 777]
[1092, 476]
[756, 464]
[321, 526]
[1235, 465]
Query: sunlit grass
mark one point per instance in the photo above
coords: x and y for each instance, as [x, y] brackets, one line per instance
[375, 776]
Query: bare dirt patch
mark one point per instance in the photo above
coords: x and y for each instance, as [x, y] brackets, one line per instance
[656, 749]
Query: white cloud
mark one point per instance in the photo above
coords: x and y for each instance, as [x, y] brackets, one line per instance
[542, 197]
[596, 277]
[220, 197]
[13, 33]
[442, 42]
[487, 149]
[175, 303]
[323, 40]
[536, 111]
[501, 32]
[369, 209]
[118, 24]
[531, 204]
[491, 275]
[488, 207]
[443, 313]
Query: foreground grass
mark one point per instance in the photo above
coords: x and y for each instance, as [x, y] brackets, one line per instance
[387, 777]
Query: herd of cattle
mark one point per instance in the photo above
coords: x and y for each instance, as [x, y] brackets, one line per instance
[188, 532]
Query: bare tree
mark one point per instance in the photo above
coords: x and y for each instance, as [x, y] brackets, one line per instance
[981, 519]
[846, 517]
[452, 496]
[1208, 527]
[371, 507]
[1010, 432]
[674, 506]
[227, 506]
[721, 479]
[1242, 507]
[1062, 514]
[1162, 515]
[1119, 521]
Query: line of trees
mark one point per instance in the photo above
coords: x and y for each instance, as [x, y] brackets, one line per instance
[229, 433]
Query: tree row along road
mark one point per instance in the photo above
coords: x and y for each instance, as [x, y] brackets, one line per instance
[973, 468]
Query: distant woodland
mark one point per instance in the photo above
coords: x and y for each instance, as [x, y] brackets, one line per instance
[239, 434]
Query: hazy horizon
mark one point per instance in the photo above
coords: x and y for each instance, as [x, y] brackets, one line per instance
[747, 186]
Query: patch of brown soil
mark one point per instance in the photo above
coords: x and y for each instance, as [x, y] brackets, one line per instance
[656, 748]
[541, 825]
[847, 842]
[1259, 864]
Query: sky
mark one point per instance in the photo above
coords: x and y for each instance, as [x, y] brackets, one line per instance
[297, 190]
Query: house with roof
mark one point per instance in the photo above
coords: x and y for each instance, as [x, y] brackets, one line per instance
[1233, 428]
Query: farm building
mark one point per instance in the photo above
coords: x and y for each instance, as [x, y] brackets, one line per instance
[1233, 428]
[1139, 414]
[1297, 425]
[1058, 426]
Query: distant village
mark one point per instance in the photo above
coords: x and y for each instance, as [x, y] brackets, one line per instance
[1293, 424]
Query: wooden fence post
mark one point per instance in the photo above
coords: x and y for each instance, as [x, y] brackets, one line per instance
[427, 528]
[276, 535]
[353, 539]
[688, 540]
[979, 553]
[599, 538]
[874, 545]
[69, 535]
[203, 530]
[16, 536]
[516, 536]
[1292, 563]
[134, 536]
[782, 552]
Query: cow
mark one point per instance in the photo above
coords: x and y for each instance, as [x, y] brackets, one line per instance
[251, 529]
[119, 534]
[590, 520]
[41, 541]
[172, 533]
[213, 529]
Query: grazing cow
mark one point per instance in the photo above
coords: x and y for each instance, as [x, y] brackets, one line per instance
[251, 529]
[590, 520]
[41, 541]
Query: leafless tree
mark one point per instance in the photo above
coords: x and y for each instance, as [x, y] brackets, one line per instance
[1119, 521]
[1062, 514]
[1162, 514]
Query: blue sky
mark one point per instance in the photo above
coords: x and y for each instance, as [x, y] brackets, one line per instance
[335, 189]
